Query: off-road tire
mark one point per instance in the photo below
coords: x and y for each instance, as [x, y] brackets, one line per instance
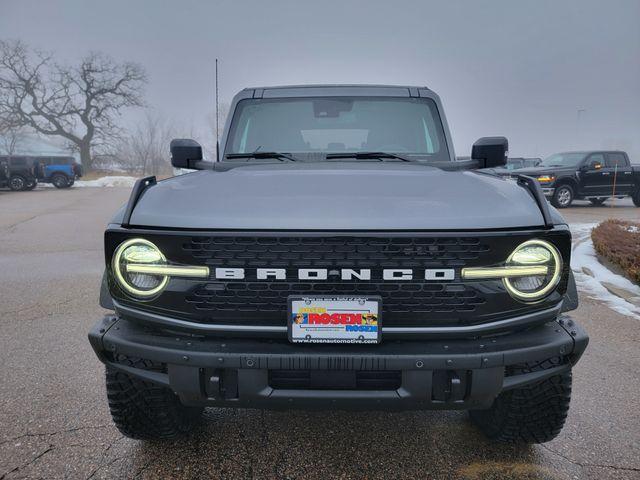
[531, 414]
[17, 183]
[60, 181]
[597, 202]
[145, 411]
[558, 199]
[636, 198]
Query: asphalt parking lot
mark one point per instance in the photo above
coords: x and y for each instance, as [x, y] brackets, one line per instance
[54, 421]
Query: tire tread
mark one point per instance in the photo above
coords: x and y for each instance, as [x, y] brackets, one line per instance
[143, 410]
[534, 413]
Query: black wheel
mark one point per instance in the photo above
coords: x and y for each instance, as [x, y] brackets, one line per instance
[563, 196]
[145, 411]
[531, 414]
[597, 202]
[636, 198]
[17, 183]
[31, 185]
[60, 181]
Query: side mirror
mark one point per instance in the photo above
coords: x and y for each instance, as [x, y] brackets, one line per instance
[491, 152]
[185, 153]
[595, 165]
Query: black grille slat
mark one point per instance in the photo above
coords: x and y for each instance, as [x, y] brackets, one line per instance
[336, 250]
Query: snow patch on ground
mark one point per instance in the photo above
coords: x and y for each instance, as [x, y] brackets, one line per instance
[110, 181]
[584, 255]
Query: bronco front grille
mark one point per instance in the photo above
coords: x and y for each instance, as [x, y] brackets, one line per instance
[405, 303]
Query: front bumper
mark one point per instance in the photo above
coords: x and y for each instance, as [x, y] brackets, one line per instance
[429, 374]
[548, 191]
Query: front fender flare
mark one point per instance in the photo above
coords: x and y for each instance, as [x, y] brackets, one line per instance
[570, 299]
[105, 297]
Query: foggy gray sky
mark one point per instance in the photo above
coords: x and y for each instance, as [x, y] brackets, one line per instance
[549, 75]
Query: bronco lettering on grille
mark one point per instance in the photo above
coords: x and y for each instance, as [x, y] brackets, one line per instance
[323, 274]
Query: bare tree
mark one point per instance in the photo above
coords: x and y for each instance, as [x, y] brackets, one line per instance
[80, 103]
[146, 149]
[150, 144]
[11, 138]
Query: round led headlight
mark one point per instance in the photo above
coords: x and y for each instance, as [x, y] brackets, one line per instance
[534, 253]
[128, 265]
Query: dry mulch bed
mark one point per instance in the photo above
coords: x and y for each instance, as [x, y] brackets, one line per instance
[619, 242]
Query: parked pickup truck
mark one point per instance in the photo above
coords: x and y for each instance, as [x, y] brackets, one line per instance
[337, 255]
[593, 175]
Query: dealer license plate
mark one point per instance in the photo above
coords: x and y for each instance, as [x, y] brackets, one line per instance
[319, 319]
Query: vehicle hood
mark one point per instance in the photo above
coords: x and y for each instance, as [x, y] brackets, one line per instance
[336, 196]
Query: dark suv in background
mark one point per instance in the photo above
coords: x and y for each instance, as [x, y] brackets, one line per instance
[4, 171]
[19, 173]
[591, 175]
[24, 172]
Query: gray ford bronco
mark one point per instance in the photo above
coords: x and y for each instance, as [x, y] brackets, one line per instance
[336, 255]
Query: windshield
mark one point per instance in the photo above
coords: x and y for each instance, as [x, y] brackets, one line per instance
[562, 160]
[310, 128]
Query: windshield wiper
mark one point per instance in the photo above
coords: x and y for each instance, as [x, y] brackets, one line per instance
[277, 155]
[368, 155]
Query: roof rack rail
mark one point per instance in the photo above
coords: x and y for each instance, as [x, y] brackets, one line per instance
[138, 189]
[534, 187]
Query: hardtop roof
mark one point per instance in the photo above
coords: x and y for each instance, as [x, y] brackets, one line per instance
[340, 85]
[322, 90]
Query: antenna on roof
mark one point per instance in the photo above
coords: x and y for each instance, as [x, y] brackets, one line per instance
[217, 116]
